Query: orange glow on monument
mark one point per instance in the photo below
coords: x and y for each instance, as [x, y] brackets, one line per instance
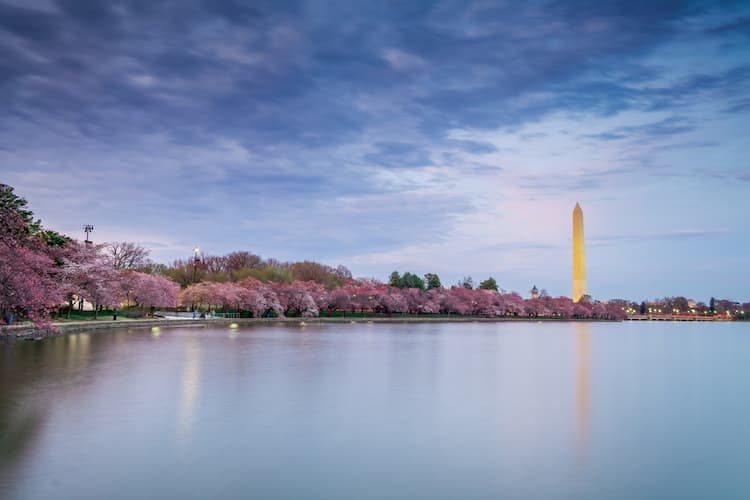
[579, 256]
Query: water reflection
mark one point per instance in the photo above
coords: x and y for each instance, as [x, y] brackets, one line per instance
[27, 368]
[442, 410]
[191, 374]
[77, 351]
[582, 387]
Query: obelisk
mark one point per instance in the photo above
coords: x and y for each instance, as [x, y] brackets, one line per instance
[579, 256]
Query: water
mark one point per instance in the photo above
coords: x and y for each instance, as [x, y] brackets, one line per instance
[380, 411]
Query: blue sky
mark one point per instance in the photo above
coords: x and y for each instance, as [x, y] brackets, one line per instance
[451, 137]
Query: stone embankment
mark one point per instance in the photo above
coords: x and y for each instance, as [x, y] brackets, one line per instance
[27, 331]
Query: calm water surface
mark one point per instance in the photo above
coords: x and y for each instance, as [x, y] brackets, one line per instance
[381, 411]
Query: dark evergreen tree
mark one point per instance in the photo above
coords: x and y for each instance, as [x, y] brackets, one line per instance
[432, 281]
[488, 284]
[409, 280]
[12, 203]
[395, 279]
[467, 282]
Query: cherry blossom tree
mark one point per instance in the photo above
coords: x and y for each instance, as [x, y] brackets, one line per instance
[563, 307]
[26, 283]
[458, 300]
[205, 293]
[599, 310]
[364, 295]
[488, 303]
[512, 304]
[259, 298]
[27, 272]
[88, 275]
[319, 293]
[536, 308]
[148, 290]
[295, 298]
[399, 300]
[615, 311]
[431, 301]
[339, 300]
[581, 310]
[76, 260]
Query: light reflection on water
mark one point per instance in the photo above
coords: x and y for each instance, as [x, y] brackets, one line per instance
[582, 339]
[191, 372]
[510, 410]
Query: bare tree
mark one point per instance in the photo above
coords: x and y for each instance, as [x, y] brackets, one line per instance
[215, 263]
[343, 272]
[467, 282]
[242, 259]
[126, 255]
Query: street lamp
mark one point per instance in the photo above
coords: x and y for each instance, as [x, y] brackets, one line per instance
[196, 259]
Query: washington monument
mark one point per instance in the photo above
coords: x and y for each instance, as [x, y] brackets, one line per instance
[579, 256]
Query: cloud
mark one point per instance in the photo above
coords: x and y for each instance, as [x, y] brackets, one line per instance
[739, 26]
[688, 145]
[273, 74]
[398, 155]
[739, 106]
[294, 127]
[562, 183]
[476, 147]
[674, 234]
[513, 246]
[735, 175]
[403, 61]
[666, 127]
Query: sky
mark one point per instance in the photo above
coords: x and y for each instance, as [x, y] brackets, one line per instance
[452, 137]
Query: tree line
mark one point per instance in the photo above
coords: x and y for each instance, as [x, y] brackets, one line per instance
[309, 298]
[44, 273]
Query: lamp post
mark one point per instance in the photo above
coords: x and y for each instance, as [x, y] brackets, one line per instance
[87, 228]
[196, 259]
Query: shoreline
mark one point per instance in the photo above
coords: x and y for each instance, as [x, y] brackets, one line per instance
[29, 332]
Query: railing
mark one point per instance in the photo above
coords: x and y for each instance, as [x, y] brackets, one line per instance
[198, 314]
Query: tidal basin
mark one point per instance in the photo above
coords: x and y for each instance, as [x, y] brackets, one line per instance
[380, 411]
